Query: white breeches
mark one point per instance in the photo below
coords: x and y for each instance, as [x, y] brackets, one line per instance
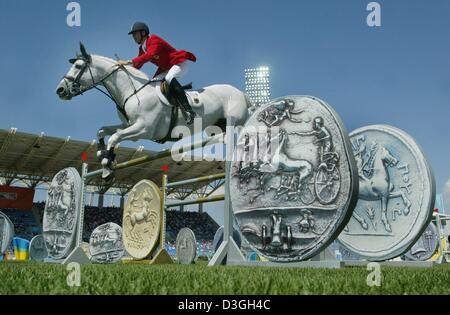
[177, 71]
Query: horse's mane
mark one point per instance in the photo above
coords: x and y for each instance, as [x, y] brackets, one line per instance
[133, 71]
[371, 161]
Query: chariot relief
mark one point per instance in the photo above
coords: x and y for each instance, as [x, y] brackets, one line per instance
[293, 180]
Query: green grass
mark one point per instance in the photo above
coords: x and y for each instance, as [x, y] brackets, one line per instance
[38, 278]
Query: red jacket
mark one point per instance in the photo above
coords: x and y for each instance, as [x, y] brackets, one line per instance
[162, 54]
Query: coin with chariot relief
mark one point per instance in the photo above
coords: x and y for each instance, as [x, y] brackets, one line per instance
[293, 180]
[105, 244]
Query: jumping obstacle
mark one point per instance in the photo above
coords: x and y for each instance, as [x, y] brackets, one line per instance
[228, 251]
[208, 178]
[228, 245]
[439, 217]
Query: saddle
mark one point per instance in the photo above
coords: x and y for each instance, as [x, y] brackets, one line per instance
[171, 98]
[165, 90]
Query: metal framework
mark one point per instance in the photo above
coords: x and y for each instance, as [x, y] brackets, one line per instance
[161, 255]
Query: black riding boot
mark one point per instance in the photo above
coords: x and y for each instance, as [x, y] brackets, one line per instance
[178, 91]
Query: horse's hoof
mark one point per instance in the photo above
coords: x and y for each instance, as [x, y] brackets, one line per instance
[107, 174]
[406, 211]
[365, 226]
[388, 228]
[100, 154]
[105, 162]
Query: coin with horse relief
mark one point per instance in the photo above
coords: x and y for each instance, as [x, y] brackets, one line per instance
[142, 217]
[186, 246]
[396, 194]
[293, 182]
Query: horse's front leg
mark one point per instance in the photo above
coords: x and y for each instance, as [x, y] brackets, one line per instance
[134, 132]
[384, 219]
[101, 134]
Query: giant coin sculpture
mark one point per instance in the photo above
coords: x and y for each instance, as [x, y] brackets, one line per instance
[105, 243]
[293, 182]
[426, 246]
[142, 219]
[396, 194]
[186, 245]
[61, 213]
[38, 251]
[6, 232]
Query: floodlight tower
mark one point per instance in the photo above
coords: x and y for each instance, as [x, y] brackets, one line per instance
[257, 85]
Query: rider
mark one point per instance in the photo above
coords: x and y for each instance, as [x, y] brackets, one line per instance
[172, 64]
[323, 139]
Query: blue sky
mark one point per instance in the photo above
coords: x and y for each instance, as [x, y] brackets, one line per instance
[397, 74]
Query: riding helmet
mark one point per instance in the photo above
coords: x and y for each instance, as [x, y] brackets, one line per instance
[139, 26]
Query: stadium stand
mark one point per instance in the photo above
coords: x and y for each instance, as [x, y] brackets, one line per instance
[27, 224]
[202, 224]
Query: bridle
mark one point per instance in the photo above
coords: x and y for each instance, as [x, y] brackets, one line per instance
[76, 88]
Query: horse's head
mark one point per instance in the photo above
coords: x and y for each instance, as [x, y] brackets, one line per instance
[387, 157]
[79, 78]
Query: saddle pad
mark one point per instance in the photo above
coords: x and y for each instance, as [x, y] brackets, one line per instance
[192, 96]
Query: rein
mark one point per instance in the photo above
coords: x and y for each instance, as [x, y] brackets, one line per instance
[79, 91]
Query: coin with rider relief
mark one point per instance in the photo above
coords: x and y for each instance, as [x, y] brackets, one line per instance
[293, 180]
[105, 243]
[396, 194]
[142, 217]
